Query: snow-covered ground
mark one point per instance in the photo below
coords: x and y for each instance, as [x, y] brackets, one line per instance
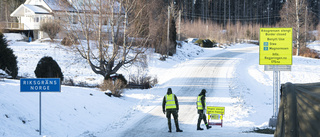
[89, 112]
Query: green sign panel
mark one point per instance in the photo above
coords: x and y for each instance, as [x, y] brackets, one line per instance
[275, 46]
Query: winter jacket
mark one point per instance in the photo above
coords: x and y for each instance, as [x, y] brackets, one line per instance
[203, 98]
[175, 99]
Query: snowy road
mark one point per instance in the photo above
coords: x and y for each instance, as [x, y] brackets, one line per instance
[232, 76]
[215, 73]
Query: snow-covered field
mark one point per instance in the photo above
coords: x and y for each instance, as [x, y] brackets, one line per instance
[89, 112]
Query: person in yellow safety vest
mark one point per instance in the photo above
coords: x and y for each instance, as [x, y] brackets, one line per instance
[201, 106]
[171, 106]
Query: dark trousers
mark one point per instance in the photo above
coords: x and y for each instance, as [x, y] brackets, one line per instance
[201, 117]
[174, 112]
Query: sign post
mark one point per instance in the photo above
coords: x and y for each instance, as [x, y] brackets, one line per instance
[40, 85]
[215, 113]
[275, 52]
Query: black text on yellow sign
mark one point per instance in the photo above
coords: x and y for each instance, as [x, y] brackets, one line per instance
[215, 110]
[275, 46]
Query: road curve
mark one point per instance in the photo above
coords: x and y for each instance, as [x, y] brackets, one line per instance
[212, 73]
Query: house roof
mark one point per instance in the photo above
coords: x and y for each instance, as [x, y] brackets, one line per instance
[60, 5]
[37, 9]
[93, 6]
[64, 5]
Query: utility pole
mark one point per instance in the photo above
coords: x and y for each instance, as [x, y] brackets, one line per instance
[202, 11]
[229, 16]
[168, 31]
[244, 9]
[192, 10]
[6, 11]
[207, 12]
[305, 26]
[224, 17]
[268, 14]
[298, 27]
[179, 32]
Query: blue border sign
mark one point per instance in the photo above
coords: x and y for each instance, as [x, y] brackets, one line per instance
[40, 85]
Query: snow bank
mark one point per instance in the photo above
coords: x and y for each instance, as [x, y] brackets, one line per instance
[88, 112]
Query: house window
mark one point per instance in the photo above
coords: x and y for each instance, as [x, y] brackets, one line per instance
[36, 19]
[74, 19]
[26, 10]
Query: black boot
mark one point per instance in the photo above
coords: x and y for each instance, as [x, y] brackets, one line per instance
[169, 129]
[199, 128]
[208, 126]
[177, 125]
[169, 125]
[179, 130]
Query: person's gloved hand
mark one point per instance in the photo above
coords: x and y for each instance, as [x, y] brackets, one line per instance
[164, 111]
[177, 111]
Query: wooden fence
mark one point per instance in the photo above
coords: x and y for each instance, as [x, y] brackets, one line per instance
[11, 25]
[299, 112]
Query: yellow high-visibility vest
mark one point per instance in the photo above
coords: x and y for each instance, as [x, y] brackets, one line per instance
[199, 104]
[170, 102]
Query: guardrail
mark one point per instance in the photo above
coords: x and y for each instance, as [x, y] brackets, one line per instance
[299, 112]
[12, 25]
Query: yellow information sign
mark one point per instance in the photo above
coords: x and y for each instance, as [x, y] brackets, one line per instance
[275, 46]
[215, 110]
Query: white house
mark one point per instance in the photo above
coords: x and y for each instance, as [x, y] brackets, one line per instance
[34, 12]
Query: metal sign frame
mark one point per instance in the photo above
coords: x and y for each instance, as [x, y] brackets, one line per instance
[275, 52]
[40, 85]
[278, 67]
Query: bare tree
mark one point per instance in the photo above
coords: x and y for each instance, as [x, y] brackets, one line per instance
[7, 7]
[293, 15]
[163, 27]
[52, 28]
[108, 44]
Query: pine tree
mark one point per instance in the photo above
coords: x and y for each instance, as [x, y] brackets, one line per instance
[172, 37]
[8, 61]
[48, 68]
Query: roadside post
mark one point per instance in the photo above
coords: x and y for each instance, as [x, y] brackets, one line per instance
[215, 113]
[40, 85]
[275, 52]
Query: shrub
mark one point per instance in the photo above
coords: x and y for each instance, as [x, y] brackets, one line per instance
[115, 86]
[198, 42]
[264, 130]
[306, 52]
[122, 78]
[172, 37]
[66, 41]
[214, 43]
[8, 61]
[51, 28]
[69, 41]
[48, 68]
[142, 82]
[68, 82]
[205, 43]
